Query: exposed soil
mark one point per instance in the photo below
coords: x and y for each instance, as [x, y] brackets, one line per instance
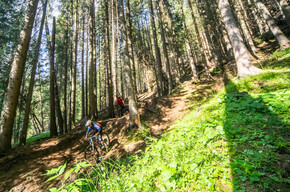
[24, 167]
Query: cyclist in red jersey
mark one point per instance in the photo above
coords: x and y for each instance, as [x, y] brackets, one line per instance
[122, 107]
[120, 101]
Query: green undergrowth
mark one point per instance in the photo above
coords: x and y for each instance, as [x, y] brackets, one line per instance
[236, 141]
[140, 134]
[38, 137]
[278, 60]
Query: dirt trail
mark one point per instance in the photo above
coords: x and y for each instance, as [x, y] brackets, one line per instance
[24, 167]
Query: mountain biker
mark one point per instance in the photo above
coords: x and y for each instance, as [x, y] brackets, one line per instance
[120, 101]
[93, 126]
[121, 104]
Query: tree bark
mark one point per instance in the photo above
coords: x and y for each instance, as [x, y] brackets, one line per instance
[74, 67]
[40, 101]
[18, 65]
[113, 43]
[278, 34]
[56, 95]
[244, 28]
[52, 124]
[243, 60]
[201, 40]
[31, 83]
[57, 107]
[87, 74]
[165, 52]
[83, 70]
[130, 44]
[286, 10]
[109, 72]
[92, 96]
[66, 68]
[133, 109]
[173, 45]
[158, 64]
[188, 47]
[262, 26]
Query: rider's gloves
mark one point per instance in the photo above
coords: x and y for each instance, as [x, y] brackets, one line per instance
[96, 134]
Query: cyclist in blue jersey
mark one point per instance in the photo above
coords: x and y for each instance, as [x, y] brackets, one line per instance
[95, 127]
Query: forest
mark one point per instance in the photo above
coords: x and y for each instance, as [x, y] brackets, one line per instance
[205, 84]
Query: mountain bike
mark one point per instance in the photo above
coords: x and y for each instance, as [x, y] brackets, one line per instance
[122, 110]
[98, 147]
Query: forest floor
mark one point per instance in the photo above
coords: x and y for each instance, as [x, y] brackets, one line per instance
[24, 168]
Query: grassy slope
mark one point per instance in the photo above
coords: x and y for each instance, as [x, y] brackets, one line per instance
[234, 142]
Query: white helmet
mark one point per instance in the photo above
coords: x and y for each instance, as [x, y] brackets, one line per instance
[88, 123]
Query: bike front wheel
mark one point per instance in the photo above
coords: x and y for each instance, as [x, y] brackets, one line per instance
[91, 154]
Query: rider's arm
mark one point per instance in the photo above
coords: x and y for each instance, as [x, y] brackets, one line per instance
[89, 128]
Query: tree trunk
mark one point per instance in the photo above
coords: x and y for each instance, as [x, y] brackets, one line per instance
[52, 124]
[87, 74]
[35, 125]
[245, 30]
[40, 101]
[95, 73]
[133, 109]
[100, 81]
[286, 10]
[66, 69]
[158, 64]
[92, 96]
[243, 60]
[74, 67]
[20, 110]
[31, 83]
[165, 52]
[201, 40]
[173, 46]
[109, 79]
[278, 34]
[262, 26]
[188, 47]
[58, 108]
[71, 55]
[18, 65]
[130, 44]
[56, 95]
[83, 70]
[113, 42]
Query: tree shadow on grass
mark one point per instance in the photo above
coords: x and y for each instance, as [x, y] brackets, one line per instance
[258, 141]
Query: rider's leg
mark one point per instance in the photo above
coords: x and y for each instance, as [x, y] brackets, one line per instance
[100, 139]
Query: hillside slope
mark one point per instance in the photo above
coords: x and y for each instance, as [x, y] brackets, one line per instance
[233, 140]
[24, 167]
[206, 150]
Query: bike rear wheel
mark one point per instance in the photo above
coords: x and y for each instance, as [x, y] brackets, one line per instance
[92, 154]
[105, 145]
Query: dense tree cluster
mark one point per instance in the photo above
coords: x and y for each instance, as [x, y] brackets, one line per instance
[59, 68]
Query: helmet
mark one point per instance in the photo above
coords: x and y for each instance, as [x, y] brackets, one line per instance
[88, 123]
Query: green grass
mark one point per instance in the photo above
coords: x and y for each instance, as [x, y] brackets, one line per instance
[140, 134]
[37, 137]
[278, 60]
[235, 142]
